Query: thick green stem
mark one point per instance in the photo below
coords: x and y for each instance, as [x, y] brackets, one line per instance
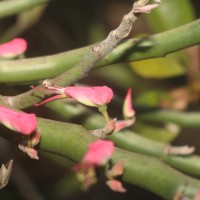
[136, 143]
[127, 139]
[158, 45]
[12, 7]
[184, 119]
[71, 141]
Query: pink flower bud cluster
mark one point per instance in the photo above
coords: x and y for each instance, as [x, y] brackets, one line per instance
[98, 154]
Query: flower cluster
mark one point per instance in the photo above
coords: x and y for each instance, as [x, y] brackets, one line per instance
[97, 96]
[99, 152]
[116, 170]
[115, 125]
[98, 155]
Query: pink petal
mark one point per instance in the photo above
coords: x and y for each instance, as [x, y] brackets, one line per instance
[128, 110]
[115, 186]
[32, 153]
[197, 195]
[123, 124]
[117, 169]
[13, 48]
[99, 152]
[90, 96]
[18, 121]
[27, 123]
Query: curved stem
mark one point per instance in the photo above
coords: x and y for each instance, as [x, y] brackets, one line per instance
[134, 142]
[129, 140]
[158, 45]
[149, 173]
[88, 62]
[184, 119]
[143, 171]
[12, 7]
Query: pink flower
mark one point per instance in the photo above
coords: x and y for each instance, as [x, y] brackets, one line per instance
[98, 153]
[128, 110]
[115, 185]
[97, 96]
[18, 121]
[90, 96]
[13, 48]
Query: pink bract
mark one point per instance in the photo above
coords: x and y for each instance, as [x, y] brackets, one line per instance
[115, 185]
[13, 48]
[90, 96]
[128, 110]
[119, 125]
[117, 169]
[98, 153]
[18, 121]
[32, 153]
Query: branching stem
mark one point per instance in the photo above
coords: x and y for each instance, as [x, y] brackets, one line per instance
[86, 64]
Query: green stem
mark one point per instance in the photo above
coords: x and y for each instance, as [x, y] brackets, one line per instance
[106, 117]
[129, 140]
[104, 112]
[87, 63]
[151, 174]
[184, 119]
[12, 7]
[158, 45]
[134, 142]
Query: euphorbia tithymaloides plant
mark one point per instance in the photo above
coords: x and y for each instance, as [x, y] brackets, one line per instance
[97, 156]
